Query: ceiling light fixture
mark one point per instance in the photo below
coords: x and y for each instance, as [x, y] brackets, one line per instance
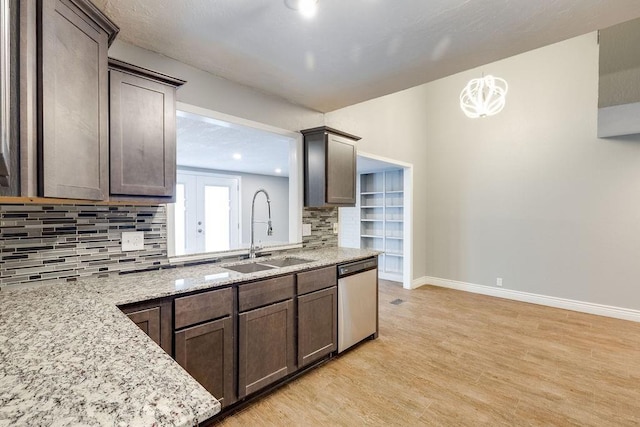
[278, 170]
[237, 156]
[483, 97]
[306, 8]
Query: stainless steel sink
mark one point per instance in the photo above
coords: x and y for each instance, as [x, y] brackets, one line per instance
[249, 268]
[267, 264]
[285, 262]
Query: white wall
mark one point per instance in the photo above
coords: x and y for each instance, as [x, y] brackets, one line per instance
[349, 220]
[530, 195]
[215, 93]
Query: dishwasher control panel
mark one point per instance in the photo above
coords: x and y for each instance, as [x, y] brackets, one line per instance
[355, 267]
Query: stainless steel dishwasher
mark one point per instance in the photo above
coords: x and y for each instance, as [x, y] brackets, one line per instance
[357, 302]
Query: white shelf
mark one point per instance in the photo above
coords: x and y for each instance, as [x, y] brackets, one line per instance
[382, 225]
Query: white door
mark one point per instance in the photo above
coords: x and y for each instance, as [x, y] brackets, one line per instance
[206, 214]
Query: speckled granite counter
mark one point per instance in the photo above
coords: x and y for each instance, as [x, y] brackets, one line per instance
[68, 356]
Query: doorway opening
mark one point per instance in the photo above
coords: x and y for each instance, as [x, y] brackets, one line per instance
[381, 219]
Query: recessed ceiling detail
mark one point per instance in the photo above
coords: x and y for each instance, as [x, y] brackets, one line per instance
[352, 51]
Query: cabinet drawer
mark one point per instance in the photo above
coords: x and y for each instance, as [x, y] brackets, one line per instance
[265, 292]
[314, 280]
[202, 307]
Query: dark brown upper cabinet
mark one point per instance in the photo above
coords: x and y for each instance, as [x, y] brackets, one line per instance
[143, 132]
[329, 167]
[73, 99]
[9, 66]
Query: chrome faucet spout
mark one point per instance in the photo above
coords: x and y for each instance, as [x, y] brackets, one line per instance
[252, 248]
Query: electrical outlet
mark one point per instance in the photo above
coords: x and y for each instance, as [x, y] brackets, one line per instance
[132, 241]
[306, 229]
[499, 281]
[335, 228]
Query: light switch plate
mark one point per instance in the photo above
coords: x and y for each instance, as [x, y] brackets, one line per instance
[335, 228]
[132, 241]
[306, 229]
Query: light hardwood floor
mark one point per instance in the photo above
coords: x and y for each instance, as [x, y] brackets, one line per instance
[446, 358]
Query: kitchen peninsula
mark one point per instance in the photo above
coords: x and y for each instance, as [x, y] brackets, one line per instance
[67, 353]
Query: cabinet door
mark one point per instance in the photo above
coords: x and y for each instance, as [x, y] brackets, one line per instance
[74, 104]
[155, 320]
[266, 346]
[143, 136]
[341, 171]
[149, 321]
[7, 97]
[206, 353]
[317, 325]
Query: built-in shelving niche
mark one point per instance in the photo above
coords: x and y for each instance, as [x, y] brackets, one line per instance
[381, 219]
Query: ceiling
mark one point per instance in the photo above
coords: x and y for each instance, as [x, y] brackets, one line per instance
[367, 165]
[355, 50]
[207, 143]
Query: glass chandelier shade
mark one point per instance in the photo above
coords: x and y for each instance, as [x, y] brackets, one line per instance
[483, 97]
[306, 8]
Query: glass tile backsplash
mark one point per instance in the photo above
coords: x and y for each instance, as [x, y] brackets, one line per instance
[65, 242]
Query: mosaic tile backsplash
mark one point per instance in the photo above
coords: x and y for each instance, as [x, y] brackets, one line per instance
[64, 242]
[321, 220]
[40, 242]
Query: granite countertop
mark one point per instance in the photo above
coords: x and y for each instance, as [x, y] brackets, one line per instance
[69, 356]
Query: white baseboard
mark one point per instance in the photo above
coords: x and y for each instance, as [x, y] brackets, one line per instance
[567, 304]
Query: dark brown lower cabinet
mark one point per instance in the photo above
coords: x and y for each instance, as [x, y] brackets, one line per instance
[206, 353]
[317, 325]
[154, 318]
[266, 346]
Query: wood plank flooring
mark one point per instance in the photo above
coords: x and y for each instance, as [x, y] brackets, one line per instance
[447, 357]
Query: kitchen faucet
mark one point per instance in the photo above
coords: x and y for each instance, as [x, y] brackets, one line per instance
[252, 248]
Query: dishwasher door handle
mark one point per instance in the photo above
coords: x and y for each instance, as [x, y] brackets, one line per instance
[356, 267]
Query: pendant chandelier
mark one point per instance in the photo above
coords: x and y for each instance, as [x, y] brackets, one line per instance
[483, 97]
[306, 8]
